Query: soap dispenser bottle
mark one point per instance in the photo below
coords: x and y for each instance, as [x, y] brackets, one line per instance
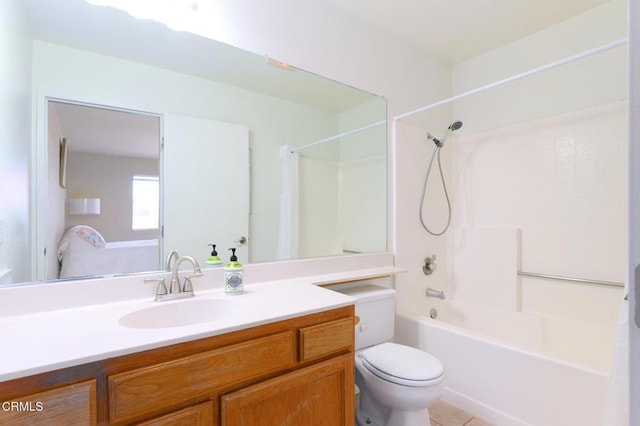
[214, 259]
[233, 275]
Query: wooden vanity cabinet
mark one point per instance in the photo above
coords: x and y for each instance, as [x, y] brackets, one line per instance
[199, 414]
[296, 372]
[66, 405]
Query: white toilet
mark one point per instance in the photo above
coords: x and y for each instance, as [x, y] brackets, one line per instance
[397, 383]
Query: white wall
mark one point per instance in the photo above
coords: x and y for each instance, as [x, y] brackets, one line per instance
[318, 199]
[15, 95]
[585, 83]
[344, 186]
[108, 177]
[323, 39]
[362, 176]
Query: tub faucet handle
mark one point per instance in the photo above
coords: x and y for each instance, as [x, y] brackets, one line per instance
[429, 265]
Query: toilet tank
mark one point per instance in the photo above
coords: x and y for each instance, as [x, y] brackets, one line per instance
[376, 308]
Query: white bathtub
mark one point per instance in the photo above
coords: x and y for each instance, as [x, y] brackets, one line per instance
[511, 368]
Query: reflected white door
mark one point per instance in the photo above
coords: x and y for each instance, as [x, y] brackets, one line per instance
[205, 187]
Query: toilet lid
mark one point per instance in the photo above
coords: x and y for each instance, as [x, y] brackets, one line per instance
[402, 364]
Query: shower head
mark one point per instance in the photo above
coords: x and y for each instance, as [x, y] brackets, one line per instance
[452, 128]
[455, 126]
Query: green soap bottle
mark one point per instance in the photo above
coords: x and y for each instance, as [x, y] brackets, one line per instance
[233, 270]
[214, 259]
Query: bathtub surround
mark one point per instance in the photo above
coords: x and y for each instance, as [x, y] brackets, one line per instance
[543, 160]
[547, 331]
[561, 181]
[483, 266]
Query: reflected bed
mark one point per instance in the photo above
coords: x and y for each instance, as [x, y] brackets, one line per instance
[84, 252]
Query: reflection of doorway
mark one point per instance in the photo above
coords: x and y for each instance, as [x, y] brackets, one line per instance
[109, 153]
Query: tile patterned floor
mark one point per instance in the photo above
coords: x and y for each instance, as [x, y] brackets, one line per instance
[443, 414]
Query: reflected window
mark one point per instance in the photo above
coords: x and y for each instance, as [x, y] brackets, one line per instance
[146, 202]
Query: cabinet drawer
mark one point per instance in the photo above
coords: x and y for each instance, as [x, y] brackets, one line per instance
[327, 338]
[151, 389]
[197, 415]
[68, 405]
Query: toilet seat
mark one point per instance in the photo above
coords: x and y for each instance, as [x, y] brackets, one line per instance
[402, 365]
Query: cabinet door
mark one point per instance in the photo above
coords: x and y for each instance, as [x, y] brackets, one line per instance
[68, 405]
[319, 395]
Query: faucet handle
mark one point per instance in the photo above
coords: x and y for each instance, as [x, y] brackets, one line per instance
[187, 281]
[429, 265]
[162, 287]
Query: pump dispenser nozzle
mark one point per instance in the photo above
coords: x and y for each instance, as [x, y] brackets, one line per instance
[233, 257]
[213, 259]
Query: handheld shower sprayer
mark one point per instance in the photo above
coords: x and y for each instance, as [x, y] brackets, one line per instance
[435, 140]
[439, 144]
[452, 128]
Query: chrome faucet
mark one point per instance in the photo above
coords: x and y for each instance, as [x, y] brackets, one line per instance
[175, 287]
[435, 293]
[176, 290]
[167, 263]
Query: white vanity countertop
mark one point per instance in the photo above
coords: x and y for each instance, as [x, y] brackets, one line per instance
[49, 340]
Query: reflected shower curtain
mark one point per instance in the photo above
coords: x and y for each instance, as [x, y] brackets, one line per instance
[288, 224]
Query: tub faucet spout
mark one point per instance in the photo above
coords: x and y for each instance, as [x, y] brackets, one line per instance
[435, 293]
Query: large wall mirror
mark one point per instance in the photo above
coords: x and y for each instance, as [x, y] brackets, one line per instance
[147, 140]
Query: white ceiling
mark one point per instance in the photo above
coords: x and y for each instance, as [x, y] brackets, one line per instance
[108, 132]
[455, 30]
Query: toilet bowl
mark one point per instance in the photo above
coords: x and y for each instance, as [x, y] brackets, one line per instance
[397, 383]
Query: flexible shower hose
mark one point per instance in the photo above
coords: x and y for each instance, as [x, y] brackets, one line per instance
[424, 194]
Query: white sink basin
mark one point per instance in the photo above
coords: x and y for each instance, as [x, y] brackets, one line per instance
[182, 312]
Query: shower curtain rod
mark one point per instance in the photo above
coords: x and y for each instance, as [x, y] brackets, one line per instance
[515, 77]
[462, 95]
[338, 136]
